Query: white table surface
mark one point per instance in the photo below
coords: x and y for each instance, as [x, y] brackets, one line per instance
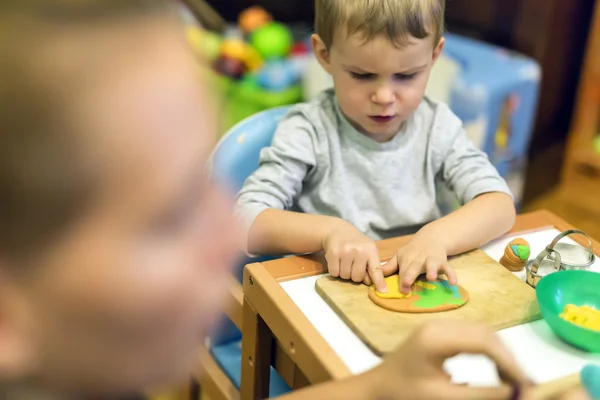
[542, 355]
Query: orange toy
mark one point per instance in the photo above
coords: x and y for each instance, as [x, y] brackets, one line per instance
[516, 255]
[253, 18]
[242, 51]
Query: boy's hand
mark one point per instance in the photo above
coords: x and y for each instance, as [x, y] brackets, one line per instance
[350, 255]
[423, 254]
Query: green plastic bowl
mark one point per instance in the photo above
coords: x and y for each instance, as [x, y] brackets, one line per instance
[581, 288]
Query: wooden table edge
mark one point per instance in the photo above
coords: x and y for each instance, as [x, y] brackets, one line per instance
[298, 336]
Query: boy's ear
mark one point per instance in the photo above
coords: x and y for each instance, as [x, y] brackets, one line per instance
[321, 52]
[438, 49]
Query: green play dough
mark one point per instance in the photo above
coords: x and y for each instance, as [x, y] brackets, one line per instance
[521, 251]
[432, 298]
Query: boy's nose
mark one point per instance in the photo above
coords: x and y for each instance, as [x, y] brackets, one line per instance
[383, 96]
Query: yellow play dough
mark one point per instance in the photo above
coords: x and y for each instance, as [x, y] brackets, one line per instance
[394, 289]
[583, 316]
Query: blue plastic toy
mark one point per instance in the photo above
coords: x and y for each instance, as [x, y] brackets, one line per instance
[277, 75]
[590, 378]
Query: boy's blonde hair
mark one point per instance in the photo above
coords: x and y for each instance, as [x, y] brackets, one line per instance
[397, 20]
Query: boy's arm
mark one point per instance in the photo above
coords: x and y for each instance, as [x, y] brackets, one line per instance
[483, 219]
[488, 210]
[284, 232]
[272, 188]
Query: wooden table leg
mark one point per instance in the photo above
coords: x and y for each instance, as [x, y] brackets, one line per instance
[256, 355]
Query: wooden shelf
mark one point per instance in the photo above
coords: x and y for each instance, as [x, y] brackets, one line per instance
[586, 158]
[581, 158]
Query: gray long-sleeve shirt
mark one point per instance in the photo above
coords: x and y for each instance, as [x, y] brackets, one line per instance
[319, 164]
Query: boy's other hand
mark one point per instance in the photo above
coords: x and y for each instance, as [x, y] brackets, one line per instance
[422, 254]
[351, 255]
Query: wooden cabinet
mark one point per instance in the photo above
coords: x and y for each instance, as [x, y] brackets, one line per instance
[583, 159]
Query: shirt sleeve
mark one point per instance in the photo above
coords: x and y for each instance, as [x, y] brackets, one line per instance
[465, 169]
[281, 171]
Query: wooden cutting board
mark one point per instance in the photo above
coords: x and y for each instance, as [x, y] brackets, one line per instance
[497, 298]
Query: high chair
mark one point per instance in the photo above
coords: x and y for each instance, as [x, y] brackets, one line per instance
[233, 160]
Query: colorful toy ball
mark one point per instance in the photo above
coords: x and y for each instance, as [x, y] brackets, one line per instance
[230, 67]
[253, 18]
[273, 40]
[300, 49]
[277, 75]
[240, 50]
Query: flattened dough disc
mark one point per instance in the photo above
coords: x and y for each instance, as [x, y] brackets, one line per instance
[425, 297]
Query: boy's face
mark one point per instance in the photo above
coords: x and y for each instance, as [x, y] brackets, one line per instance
[124, 299]
[377, 85]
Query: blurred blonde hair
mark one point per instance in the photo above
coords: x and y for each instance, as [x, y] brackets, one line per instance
[397, 20]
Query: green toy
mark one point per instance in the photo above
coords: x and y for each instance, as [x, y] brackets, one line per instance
[211, 45]
[246, 97]
[556, 290]
[206, 43]
[273, 40]
[597, 144]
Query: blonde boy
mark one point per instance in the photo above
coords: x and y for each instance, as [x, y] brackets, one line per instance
[361, 162]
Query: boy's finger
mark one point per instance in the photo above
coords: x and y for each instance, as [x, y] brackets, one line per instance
[402, 269]
[450, 274]
[333, 265]
[345, 267]
[390, 267]
[431, 268]
[359, 268]
[410, 275]
[376, 274]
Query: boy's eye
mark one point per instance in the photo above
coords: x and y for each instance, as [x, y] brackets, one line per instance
[362, 77]
[405, 77]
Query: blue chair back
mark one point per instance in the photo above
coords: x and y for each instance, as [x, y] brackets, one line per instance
[236, 155]
[233, 160]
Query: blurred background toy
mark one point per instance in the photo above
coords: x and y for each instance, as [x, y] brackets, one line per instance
[245, 55]
[230, 67]
[253, 65]
[277, 75]
[206, 43]
[253, 18]
[273, 40]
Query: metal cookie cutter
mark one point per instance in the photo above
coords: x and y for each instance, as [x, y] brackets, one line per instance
[542, 266]
[573, 256]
